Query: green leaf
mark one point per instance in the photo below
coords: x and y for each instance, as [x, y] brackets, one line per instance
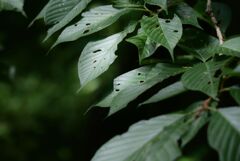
[233, 44]
[94, 20]
[128, 3]
[223, 15]
[97, 56]
[16, 5]
[130, 85]
[166, 32]
[56, 10]
[224, 133]
[235, 93]
[167, 92]
[146, 47]
[155, 139]
[203, 77]
[68, 17]
[187, 14]
[161, 3]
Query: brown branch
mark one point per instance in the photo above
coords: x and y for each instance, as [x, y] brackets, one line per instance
[214, 21]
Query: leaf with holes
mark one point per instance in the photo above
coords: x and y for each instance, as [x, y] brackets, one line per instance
[94, 20]
[56, 10]
[97, 56]
[204, 77]
[235, 93]
[130, 85]
[16, 5]
[155, 139]
[166, 32]
[224, 133]
[146, 47]
[75, 11]
[167, 92]
[187, 14]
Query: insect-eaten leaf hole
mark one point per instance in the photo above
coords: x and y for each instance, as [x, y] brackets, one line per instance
[87, 24]
[175, 31]
[217, 73]
[167, 21]
[141, 81]
[96, 51]
[94, 61]
[139, 73]
[86, 31]
[117, 90]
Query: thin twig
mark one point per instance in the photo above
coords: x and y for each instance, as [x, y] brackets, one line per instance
[214, 21]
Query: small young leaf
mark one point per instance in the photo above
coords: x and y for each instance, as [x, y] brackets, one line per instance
[97, 56]
[224, 133]
[146, 47]
[130, 85]
[166, 32]
[94, 20]
[202, 77]
[155, 139]
[167, 92]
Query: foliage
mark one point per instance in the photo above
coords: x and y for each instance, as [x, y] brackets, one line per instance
[175, 45]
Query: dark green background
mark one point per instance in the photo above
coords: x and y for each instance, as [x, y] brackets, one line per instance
[42, 115]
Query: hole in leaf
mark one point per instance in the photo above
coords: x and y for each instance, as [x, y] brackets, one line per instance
[141, 81]
[94, 61]
[157, 26]
[75, 24]
[94, 67]
[139, 73]
[86, 31]
[117, 90]
[87, 24]
[96, 51]
[167, 21]
[217, 73]
[118, 84]
[208, 82]
[175, 31]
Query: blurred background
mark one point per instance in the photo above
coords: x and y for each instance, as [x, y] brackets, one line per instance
[43, 118]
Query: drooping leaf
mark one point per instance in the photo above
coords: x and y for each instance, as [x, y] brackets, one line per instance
[16, 5]
[224, 133]
[130, 85]
[146, 47]
[187, 14]
[166, 32]
[155, 139]
[75, 11]
[223, 14]
[97, 56]
[235, 93]
[204, 77]
[94, 20]
[56, 10]
[167, 92]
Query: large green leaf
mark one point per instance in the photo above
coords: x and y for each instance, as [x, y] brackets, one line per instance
[204, 46]
[94, 20]
[16, 5]
[166, 32]
[146, 46]
[224, 133]
[130, 85]
[204, 77]
[167, 92]
[75, 11]
[56, 10]
[187, 14]
[152, 140]
[97, 56]
[235, 93]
